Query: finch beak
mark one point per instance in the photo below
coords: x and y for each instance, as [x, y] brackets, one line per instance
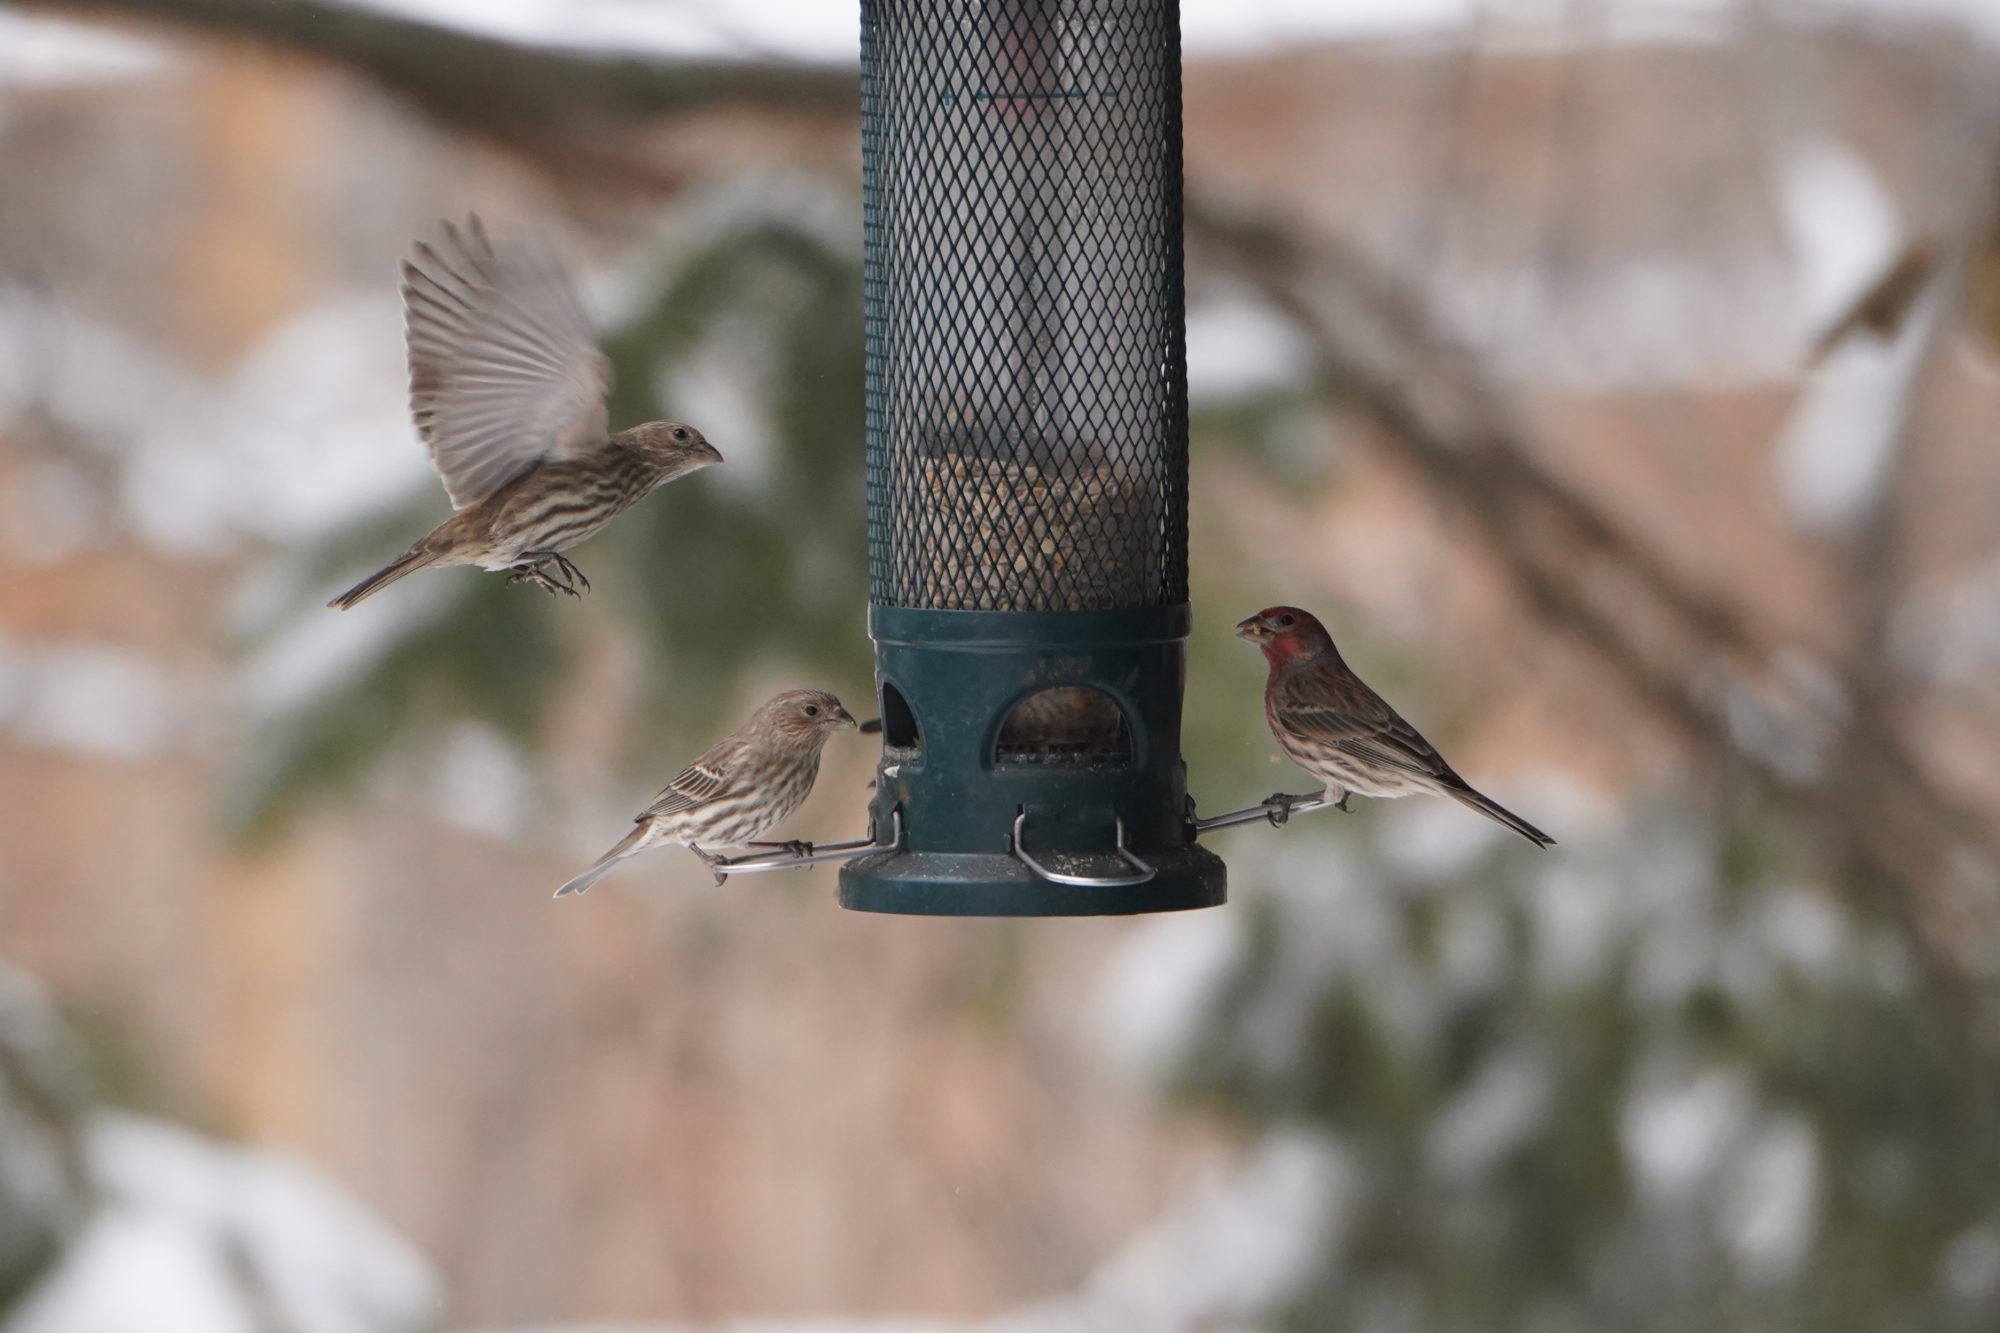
[1252, 629]
[710, 456]
[845, 718]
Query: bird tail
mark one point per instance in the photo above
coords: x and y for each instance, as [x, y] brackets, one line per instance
[635, 841]
[1500, 814]
[408, 563]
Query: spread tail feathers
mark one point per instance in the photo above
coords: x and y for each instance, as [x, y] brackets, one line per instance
[382, 578]
[635, 841]
[1500, 814]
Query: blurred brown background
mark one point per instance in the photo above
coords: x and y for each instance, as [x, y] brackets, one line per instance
[1502, 332]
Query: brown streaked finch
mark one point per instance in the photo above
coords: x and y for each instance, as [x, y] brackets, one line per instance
[740, 789]
[507, 388]
[1343, 733]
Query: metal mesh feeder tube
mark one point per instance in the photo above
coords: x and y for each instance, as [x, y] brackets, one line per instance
[1027, 458]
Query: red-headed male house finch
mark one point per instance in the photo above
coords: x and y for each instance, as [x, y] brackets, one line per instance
[741, 788]
[1341, 732]
[507, 388]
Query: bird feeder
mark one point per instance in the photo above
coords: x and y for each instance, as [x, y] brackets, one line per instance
[1027, 459]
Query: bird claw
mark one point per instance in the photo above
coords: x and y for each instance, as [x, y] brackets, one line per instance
[1341, 804]
[1278, 808]
[536, 570]
[535, 575]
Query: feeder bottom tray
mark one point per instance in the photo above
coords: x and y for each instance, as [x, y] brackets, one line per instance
[996, 884]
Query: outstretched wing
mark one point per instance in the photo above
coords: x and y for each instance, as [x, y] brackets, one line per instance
[1346, 716]
[504, 372]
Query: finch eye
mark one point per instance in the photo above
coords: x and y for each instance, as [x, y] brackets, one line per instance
[1284, 622]
[680, 433]
[812, 710]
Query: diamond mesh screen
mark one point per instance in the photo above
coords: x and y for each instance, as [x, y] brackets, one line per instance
[1027, 382]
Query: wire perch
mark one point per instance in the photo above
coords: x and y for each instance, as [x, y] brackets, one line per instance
[759, 862]
[1277, 809]
[1140, 873]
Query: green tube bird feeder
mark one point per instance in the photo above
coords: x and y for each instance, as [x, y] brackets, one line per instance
[1027, 459]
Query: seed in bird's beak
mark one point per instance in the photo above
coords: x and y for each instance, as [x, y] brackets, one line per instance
[1250, 629]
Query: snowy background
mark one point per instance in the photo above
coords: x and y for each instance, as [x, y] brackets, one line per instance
[1617, 378]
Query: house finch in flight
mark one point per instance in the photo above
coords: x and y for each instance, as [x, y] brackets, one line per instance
[507, 388]
[741, 788]
[1342, 733]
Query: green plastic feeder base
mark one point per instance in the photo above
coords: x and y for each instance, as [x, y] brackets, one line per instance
[975, 884]
[988, 827]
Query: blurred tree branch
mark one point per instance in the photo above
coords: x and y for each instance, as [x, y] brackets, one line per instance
[571, 109]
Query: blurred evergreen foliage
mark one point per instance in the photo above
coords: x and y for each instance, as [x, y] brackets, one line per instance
[44, 1192]
[770, 563]
[1650, 1085]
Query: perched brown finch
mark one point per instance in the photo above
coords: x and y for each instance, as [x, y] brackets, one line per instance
[1341, 732]
[507, 387]
[741, 788]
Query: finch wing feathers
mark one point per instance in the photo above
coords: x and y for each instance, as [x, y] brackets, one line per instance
[1358, 722]
[504, 371]
[706, 779]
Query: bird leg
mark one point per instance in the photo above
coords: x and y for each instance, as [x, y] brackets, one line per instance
[1278, 805]
[539, 561]
[714, 863]
[533, 573]
[794, 847]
